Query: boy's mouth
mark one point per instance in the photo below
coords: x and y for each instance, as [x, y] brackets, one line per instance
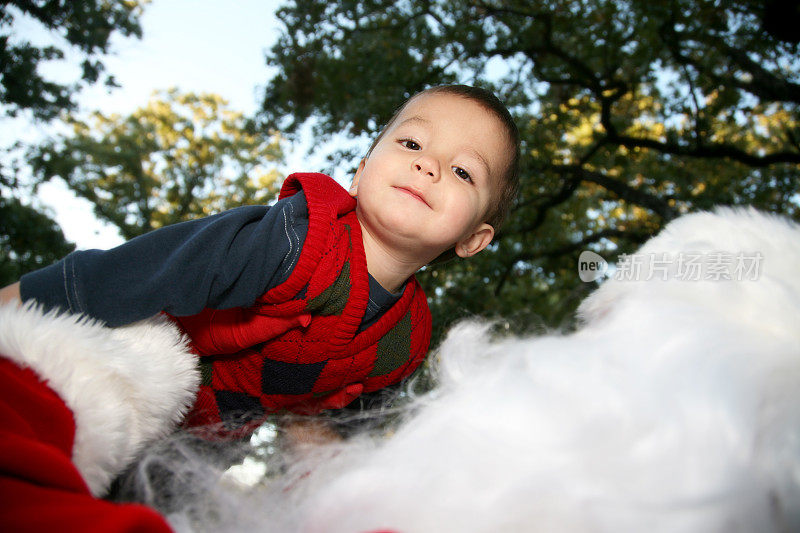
[414, 194]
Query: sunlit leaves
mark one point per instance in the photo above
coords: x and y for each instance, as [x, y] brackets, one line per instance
[181, 156]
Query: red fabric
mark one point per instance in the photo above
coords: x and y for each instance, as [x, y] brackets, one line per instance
[216, 331]
[300, 327]
[40, 488]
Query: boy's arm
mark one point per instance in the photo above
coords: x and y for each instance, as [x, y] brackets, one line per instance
[300, 434]
[10, 293]
[223, 261]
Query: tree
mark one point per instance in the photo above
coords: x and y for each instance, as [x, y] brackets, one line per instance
[84, 27]
[631, 113]
[181, 156]
[29, 238]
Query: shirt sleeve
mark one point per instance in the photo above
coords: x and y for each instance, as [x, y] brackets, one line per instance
[222, 261]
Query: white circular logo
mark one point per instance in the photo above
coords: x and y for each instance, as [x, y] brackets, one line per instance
[591, 266]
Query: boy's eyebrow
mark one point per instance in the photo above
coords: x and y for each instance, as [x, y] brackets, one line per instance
[483, 161]
[416, 118]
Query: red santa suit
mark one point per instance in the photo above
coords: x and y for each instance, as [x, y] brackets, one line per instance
[78, 401]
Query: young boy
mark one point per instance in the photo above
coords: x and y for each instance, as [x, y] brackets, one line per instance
[300, 307]
[308, 304]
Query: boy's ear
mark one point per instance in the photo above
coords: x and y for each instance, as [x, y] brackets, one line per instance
[475, 242]
[354, 184]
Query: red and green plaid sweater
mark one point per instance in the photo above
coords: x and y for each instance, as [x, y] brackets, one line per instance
[299, 348]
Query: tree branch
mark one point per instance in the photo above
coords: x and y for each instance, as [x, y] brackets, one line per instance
[709, 151]
[634, 236]
[624, 191]
[699, 150]
[764, 84]
[568, 188]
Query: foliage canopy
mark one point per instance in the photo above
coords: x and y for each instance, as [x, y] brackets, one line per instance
[29, 238]
[631, 113]
[84, 27]
[181, 156]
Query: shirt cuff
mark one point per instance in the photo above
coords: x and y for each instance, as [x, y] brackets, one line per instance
[48, 286]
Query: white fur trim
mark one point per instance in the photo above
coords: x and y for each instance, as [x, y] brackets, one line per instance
[125, 386]
[727, 230]
[675, 409]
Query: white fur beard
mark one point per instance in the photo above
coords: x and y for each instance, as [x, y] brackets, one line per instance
[675, 408]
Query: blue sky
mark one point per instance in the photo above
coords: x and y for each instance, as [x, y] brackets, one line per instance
[196, 45]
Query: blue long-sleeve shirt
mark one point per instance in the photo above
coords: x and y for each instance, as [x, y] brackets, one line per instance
[222, 261]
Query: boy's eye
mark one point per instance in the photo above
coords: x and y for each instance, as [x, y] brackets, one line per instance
[411, 145]
[463, 174]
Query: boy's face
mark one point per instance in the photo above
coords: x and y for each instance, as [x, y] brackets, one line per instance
[427, 184]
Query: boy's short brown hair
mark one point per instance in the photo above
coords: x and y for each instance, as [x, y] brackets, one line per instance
[505, 194]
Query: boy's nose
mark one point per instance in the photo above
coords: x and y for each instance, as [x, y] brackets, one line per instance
[428, 167]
